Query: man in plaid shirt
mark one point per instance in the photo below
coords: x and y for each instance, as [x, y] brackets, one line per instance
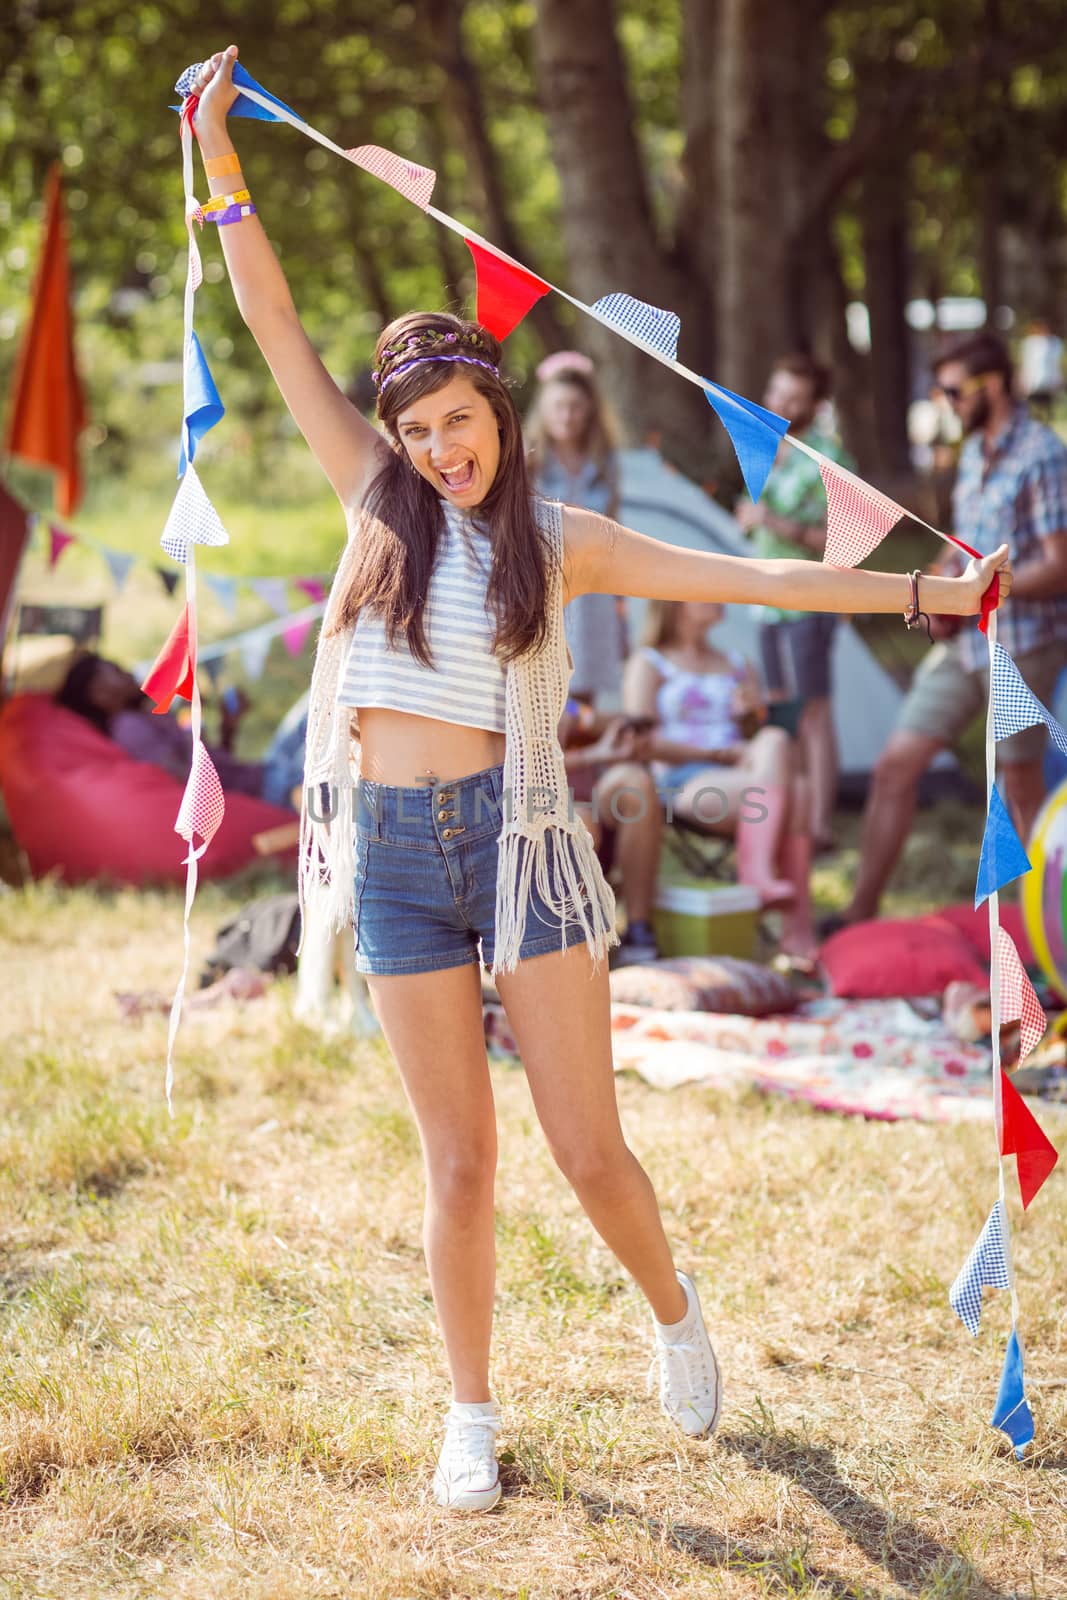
[1011, 487]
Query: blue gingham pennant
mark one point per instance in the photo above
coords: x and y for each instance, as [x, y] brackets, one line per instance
[986, 1265]
[1015, 705]
[658, 328]
[1012, 1413]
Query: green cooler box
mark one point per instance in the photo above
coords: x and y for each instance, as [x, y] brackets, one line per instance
[701, 920]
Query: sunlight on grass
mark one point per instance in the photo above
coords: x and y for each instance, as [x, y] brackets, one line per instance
[222, 1373]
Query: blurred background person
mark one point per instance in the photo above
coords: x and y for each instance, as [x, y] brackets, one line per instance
[1041, 366]
[1011, 486]
[614, 792]
[790, 521]
[109, 697]
[572, 458]
[705, 701]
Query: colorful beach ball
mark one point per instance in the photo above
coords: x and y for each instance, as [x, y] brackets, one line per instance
[1045, 889]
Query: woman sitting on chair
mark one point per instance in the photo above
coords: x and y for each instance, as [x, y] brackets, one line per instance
[718, 766]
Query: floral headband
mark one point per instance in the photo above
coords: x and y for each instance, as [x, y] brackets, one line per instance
[431, 346]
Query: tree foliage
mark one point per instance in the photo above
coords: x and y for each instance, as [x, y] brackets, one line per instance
[754, 164]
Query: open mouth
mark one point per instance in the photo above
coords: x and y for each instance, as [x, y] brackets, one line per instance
[457, 479]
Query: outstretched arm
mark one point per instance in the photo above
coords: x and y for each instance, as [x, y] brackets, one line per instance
[343, 442]
[604, 558]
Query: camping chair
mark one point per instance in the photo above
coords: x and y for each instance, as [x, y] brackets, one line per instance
[79, 627]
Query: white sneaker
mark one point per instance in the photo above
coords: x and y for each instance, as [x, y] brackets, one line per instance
[690, 1388]
[467, 1477]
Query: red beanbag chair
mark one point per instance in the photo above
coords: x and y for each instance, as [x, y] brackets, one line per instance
[81, 807]
[882, 960]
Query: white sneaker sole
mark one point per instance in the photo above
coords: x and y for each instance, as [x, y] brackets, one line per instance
[465, 1499]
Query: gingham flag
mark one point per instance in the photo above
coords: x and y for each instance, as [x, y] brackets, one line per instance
[1018, 1002]
[987, 1265]
[1015, 706]
[857, 517]
[415, 183]
[192, 519]
[658, 328]
[203, 806]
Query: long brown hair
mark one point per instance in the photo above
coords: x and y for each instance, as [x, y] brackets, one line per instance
[660, 623]
[598, 442]
[402, 516]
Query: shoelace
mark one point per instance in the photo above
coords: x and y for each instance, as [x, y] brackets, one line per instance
[467, 1443]
[675, 1371]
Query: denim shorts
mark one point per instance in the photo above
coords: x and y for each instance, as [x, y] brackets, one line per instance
[426, 867]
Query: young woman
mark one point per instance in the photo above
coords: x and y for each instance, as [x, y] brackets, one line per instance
[572, 459]
[444, 636]
[699, 696]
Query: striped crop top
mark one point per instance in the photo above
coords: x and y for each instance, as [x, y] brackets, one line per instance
[466, 682]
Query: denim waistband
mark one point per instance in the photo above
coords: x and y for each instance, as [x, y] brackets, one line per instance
[461, 810]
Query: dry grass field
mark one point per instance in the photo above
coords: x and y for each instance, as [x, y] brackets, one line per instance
[220, 1373]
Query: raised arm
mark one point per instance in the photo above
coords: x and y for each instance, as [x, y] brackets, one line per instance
[604, 558]
[344, 443]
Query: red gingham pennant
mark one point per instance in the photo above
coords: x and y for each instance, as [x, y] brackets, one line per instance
[415, 183]
[857, 518]
[203, 806]
[1017, 998]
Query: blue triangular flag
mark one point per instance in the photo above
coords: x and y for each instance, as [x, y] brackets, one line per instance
[1003, 858]
[1012, 1414]
[755, 434]
[203, 405]
[242, 106]
[225, 591]
[985, 1267]
[118, 564]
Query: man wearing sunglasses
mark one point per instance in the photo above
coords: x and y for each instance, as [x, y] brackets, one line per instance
[1011, 487]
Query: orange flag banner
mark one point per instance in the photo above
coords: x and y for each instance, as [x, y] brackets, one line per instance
[48, 407]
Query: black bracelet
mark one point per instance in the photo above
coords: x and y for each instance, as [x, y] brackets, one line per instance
[913, 616]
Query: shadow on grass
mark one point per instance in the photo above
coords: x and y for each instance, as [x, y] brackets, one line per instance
[913, 1560]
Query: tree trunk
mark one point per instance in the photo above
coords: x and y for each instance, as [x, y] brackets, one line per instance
[752, 82]
[443, 21]
[607, 221]
[884, 217]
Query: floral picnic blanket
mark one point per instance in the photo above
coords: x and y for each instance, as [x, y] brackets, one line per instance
[870, 1058]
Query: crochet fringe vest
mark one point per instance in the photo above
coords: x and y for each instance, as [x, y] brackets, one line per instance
[542, 841]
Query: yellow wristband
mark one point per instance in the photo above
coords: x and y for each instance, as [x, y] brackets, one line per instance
[219, 202]
[222, 166]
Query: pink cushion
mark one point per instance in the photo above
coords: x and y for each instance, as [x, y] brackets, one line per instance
[974, 925]
[885, 958]
[80, 807]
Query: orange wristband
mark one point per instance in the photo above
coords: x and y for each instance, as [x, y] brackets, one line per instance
[222, 166]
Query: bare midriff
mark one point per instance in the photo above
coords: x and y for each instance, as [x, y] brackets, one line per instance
[398, 747]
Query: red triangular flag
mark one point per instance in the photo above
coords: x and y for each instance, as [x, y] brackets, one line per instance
[857, 517]
[48, 409]
[506, 290]
[173, 671]
[57, 543]
[1018, 1002]
[1023, 1138]
[314, 590]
